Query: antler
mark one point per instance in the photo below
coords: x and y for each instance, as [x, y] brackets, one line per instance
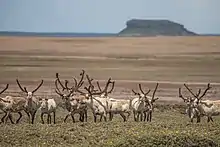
[135, 93]
[57, 77]
[208, 87]
[4, 89]
[57, 90]
[190, 90]
[81, 80]
[42, 81]
[110, 91]
[22, 89]
[140, 87]
[91, 86]
[199, 91]
[155, 91]
[113, 85]
[98, 86]
[180, 95]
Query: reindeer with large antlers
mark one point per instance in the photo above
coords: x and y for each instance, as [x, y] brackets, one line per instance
[96, 101]
[10, 105]
[196, 107]
[71, 100]
[143, 104]
[116, 106]
[32, 103]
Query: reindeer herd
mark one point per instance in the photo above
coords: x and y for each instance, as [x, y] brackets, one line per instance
[77, 100]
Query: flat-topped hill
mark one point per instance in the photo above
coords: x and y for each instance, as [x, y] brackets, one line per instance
[139, 27]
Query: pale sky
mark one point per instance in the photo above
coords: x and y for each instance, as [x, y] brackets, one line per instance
[105, 16]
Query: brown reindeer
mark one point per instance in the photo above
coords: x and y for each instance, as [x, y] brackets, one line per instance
[196, 107]
[32, 103]
[71, 99]
[10, 105]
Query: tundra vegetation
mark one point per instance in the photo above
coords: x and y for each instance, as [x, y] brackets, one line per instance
[152, 125]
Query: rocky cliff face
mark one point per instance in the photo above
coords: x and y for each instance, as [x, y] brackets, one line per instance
[137, 27]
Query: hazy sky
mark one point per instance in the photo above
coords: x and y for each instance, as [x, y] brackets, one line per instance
[200, 16]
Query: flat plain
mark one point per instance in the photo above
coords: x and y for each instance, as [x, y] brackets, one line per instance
[170, 61]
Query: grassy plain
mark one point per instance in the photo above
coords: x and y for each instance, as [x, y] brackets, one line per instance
[171, 61]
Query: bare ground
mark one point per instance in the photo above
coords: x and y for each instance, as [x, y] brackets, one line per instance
[171, 61]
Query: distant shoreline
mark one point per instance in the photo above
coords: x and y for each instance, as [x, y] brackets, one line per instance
[65, 34]
[55, 34]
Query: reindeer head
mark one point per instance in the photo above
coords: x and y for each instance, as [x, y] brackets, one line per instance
[29, 94]
[143, 95]
[43, 103]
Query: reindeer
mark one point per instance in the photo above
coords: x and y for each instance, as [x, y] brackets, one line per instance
[196, 107]
[143, 104]
[32, 103]
[98, 104]
[71, 100]
[48, 106]
[10, 104]
[116, 106]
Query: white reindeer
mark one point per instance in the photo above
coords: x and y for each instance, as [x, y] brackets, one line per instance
[143, 104]
[48, 106]
[98, 105]
[32, 103]
[116, 106]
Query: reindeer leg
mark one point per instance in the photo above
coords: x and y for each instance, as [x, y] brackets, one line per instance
[6, 117]
[2, 119]
[138, 116]
[148, 116]
[95, 117]
[73, 118]
[123, 116]
[145, 116]
[105, 116]
[33, 116]
[54, 117]
[20, 116]
[110, 116]
[101, 117]
[141, 116]
[198, 119]
[211, 119]
[10, 117]
[28, 114]
[67, 117]
[42, 118]
[208, 119]
[135, 119]
[86, 116]
[81, 116]
[128, 115]
[48, 118]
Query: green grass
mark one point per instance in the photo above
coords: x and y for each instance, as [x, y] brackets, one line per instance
[168, 128]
